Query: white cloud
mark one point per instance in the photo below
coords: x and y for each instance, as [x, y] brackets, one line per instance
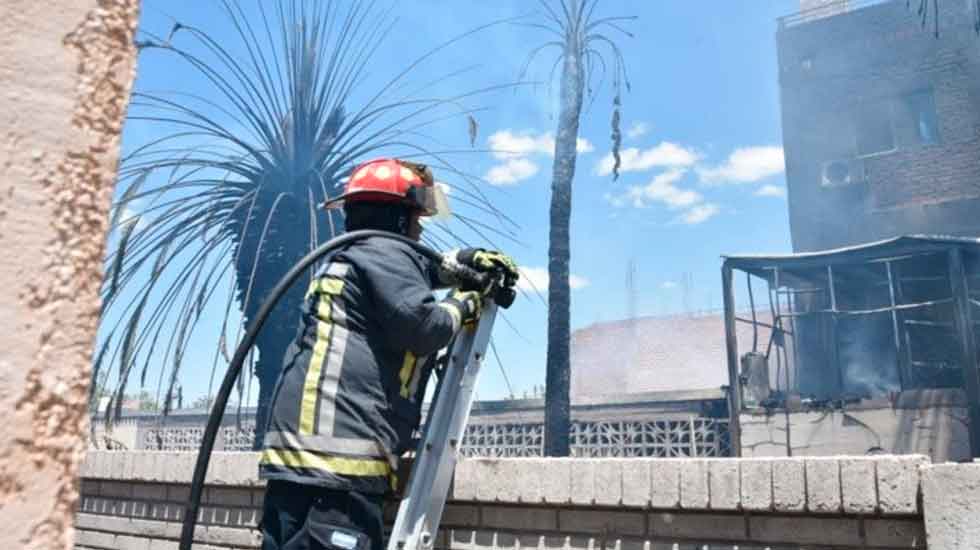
[664, 154]
[770, 190]
[660, 189]
[637, 129]
[746, 165]
[515, 148]
[698, 214]
[509, 144]
[668, 285]
[511, 171]
[537, 278]
[663, 189]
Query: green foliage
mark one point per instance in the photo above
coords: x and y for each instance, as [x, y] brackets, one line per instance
[227, 191]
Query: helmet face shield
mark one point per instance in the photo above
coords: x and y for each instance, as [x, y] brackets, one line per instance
[432, 200]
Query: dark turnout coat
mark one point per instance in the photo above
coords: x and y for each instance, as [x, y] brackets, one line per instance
[350, 393]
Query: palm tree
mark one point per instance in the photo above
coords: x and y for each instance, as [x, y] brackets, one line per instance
[228, 195]
[579, 37]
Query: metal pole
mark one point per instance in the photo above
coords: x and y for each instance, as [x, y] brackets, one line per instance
[731, 344]
[968, 347]
[895, 331]
[834, 344]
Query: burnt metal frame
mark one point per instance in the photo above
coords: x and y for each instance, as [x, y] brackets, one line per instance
[961, 299]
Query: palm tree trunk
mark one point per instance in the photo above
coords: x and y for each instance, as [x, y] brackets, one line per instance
[557, 405]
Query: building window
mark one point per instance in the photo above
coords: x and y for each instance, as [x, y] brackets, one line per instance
[921, 108]
[874, 129]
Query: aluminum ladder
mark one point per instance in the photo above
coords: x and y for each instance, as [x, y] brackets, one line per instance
[420, 511]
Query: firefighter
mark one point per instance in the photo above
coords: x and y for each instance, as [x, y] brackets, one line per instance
[350, 393]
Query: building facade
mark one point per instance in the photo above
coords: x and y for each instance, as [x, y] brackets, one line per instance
[881, 120]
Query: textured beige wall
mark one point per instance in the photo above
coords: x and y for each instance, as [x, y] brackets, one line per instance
[66, 68]
[937, 432]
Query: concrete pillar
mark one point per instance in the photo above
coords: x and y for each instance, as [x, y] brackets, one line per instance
[951, 505]
[67, 69]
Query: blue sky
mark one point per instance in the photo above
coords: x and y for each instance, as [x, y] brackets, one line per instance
[702, 176]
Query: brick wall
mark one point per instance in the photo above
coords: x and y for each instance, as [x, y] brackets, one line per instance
[135, 501]
[829, 70]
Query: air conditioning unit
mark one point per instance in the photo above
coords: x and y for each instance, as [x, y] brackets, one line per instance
[837, 173]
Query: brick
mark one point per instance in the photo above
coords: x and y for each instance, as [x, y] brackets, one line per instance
[859, 494]
[459, 515]
[229, 496]
[530, 473]
[665, 483]
[724, 484]
[484, 540]
[694, 484]
[533, 542]
[178, 493]
[788, 484]
[608, 485]
[95, 539]
[756, 484]
[898, 483]
[697, 526]
[556, 481]
[126, 542]
[583, 481]
[91, 467]
[636, 482]
[89, 487]
[580, 543]
[823, 489]
[234, 468]
[488, 479]
[891, 533]
[595, 521]
[950, 505]
[824, 532]
[465, 480]
[517, 518]
[117, 489]
[462, 539]
[508, 488]
[504, 541]
[149, 491]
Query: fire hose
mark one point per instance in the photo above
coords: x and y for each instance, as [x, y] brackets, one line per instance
[502, 294]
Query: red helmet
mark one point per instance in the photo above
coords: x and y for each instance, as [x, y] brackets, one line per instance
[393, 180]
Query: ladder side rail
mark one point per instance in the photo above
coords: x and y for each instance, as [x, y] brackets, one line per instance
[421, 508]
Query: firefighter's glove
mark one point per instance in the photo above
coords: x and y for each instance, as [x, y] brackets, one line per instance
[489, 260]
[464, 305]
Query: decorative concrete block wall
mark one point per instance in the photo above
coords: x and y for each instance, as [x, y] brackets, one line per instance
[136, 501]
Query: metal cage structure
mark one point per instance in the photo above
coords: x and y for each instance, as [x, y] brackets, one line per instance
[873, 321]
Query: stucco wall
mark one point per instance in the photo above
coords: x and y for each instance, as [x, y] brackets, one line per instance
[66, 68]
[938, 432]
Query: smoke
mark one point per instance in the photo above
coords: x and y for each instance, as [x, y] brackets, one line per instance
[867, 355]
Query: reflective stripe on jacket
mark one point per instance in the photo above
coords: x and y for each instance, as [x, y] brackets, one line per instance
[350, 393]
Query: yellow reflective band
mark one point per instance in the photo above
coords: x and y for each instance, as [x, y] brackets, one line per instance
[405, 375]
[325, 285]
[333, 464]
[330, 286]
[454, 312]
[311, 386]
